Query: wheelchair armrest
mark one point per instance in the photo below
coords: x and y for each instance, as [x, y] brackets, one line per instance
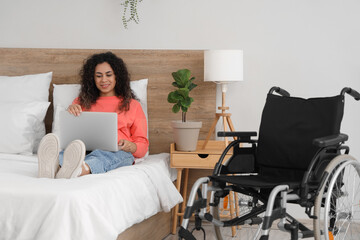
[245, 156]
[240, 135]
[330, 140]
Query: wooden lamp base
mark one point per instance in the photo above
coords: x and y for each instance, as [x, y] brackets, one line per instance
[226, 120]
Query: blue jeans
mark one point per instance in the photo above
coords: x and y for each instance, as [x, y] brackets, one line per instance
[101, 161]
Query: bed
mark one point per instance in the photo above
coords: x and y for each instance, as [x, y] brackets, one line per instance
[127, 203]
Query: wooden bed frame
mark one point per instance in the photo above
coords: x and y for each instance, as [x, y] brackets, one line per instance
[157, 66]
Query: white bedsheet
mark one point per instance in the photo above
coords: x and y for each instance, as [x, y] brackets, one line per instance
[98, 206]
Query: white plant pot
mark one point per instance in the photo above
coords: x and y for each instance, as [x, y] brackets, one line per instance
[186, 135]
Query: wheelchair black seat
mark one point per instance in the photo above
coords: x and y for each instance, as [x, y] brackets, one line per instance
[255, 181]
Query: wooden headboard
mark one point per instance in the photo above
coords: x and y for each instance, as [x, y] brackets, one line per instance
[156, 65]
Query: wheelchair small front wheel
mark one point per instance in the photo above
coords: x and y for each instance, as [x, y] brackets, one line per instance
[241, 204]
[337, 206]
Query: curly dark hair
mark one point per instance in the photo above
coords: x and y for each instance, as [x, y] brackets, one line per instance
[89, 93]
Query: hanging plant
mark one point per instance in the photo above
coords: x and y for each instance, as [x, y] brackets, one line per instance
[130, 11]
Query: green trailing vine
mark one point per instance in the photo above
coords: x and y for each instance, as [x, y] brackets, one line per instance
[130, 12]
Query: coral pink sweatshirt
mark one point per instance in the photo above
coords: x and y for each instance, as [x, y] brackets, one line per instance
[132, 124]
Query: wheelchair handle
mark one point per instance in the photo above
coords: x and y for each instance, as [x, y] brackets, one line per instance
[351, 92]
[280, 91]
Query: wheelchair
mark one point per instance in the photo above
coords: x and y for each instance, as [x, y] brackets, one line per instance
[298, 158]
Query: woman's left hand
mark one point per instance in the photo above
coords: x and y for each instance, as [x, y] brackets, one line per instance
[127, 146]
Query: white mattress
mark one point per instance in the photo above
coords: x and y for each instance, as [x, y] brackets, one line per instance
[98, 206]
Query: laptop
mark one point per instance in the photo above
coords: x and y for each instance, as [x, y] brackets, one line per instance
[98, 130]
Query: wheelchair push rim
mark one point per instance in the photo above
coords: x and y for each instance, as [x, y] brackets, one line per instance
[339, 198]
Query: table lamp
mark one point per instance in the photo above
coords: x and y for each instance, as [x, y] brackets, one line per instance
[222, 67]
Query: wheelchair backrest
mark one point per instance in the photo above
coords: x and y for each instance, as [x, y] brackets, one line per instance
[288, 127]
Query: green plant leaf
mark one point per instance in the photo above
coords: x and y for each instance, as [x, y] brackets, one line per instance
[175, 108]
[192, 86]
[174, 97]
[184, 109]
[175, 84]
[184, 92]
[184, 74]
[178, 79]
[176, 76]
[182, 77]
[186, 102]
[171, 98]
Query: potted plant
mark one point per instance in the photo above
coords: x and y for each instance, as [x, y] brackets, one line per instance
[186, 133]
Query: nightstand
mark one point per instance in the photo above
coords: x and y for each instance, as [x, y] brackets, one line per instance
[199, 159]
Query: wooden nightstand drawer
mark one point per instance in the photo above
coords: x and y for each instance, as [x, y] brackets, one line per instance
[201, 158]
[194, 160]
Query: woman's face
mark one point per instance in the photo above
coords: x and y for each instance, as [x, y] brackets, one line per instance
[105, 79]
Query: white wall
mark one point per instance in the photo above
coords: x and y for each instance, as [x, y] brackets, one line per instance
[310, 48]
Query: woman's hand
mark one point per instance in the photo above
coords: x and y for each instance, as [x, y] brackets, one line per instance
[127, 146]
[74, 109]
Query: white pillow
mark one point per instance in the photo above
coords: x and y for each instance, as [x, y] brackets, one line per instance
[21, 126]
[64, 95]
[25, 88]
[139, 87]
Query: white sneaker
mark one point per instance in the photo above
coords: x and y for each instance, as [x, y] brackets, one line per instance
[74, 156]
[48, 156]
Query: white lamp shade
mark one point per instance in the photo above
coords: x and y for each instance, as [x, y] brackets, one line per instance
[223, 65]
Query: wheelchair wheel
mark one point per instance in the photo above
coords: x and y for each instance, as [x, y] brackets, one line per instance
[222, 213]
[337, 206]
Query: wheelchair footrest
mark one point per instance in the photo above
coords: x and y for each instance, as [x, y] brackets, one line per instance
[256, 221]
[308, 234]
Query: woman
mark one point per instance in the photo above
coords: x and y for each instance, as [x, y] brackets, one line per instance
[105, 87]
